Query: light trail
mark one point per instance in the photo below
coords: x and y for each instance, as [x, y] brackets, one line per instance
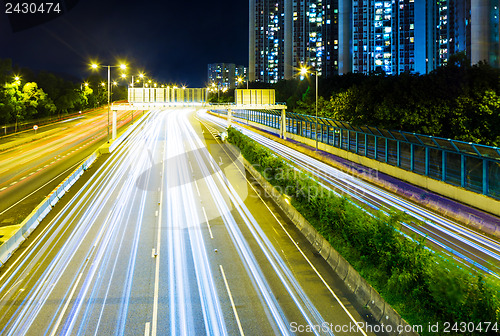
[130, 253]
[301, 300]
[478, 250]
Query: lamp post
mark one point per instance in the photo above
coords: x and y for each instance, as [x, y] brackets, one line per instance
[141, 76]
[304, 71]
[123, 67]
[241, 80]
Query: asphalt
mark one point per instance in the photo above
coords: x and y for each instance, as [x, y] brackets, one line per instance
[162, 237]
[32, 166]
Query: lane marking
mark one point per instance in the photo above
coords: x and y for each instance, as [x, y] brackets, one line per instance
[198, 190]
[305, 257]
[2, 189]
[153, 253]
[13, 182]
[297, 246]
[64, 172]
[232, 302]
[157, 269]
[22, 178]
[56, 326]
[190, 166]
[146, 328]
[208, 223]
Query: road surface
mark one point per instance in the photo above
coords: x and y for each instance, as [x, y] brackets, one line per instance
[30, 170]
[169, 237]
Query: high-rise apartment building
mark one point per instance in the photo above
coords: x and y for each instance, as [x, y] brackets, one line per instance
[314, 36]
[226, 74]
[390, 36]
[287, 34]
[468, 26]
[267, 40]
[383, 36]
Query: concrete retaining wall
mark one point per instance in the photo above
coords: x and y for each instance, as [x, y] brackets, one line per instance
[31, 222]
[479, 201]
[365, 294]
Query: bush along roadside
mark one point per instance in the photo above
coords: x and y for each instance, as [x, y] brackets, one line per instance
[427, 288]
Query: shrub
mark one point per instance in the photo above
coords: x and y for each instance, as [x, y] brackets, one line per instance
[426, 286]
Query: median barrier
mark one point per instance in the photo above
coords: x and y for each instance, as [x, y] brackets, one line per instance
[356, 284]
[15, 143]
[333, 258]
[31, 222]
[324, 249]
[363, 292]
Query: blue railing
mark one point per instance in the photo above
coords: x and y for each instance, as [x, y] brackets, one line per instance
[468, 165]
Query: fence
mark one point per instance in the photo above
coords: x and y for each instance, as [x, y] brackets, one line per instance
[468, 165]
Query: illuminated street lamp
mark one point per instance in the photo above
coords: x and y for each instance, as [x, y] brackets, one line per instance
[123, 67]
[240, 80]
[304, 71]
[17, 80]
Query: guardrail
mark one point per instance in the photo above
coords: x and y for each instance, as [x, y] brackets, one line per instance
[31, 222]
[473, 167]
[39, 213]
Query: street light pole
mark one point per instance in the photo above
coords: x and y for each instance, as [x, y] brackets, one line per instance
[316, 75]
[109, 95]
[303, 72]
[122, 66]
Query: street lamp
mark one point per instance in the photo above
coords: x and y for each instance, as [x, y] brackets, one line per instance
[304, 71]
[242, 80]
[123, 67]
[17, 80]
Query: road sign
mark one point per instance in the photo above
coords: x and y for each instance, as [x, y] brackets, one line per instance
[35, 127]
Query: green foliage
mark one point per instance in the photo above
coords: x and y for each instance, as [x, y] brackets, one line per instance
[425, 286]
[457, 101]
[44, 94]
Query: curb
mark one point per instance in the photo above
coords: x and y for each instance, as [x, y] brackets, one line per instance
[364, 293]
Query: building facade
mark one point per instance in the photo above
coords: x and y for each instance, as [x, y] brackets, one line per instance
[383, 36]
[225, 75]
[268, 53]
[368, 36]
[287, 34]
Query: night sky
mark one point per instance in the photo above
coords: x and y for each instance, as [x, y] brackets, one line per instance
[172, 41]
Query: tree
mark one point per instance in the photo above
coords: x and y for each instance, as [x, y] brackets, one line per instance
[13, 101]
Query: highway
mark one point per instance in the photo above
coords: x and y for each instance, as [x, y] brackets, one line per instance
[169, 237]
[463, 244]
[32, 166]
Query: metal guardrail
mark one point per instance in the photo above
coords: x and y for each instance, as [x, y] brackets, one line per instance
[38, 214]
[468, 165]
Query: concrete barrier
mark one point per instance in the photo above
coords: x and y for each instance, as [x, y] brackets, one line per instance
[483, 203]
[31, 222]
[364, 293]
